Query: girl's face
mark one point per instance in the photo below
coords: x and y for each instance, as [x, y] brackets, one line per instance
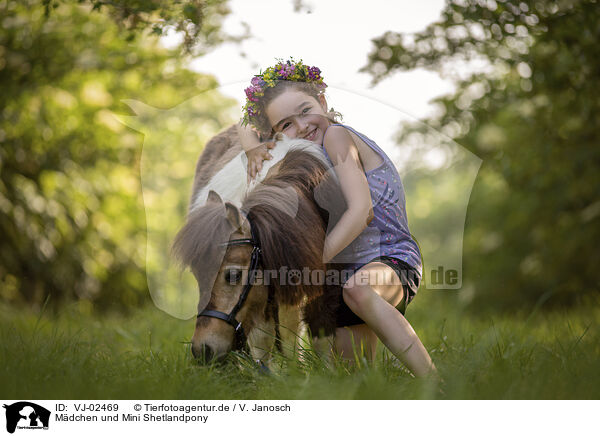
[298, 115]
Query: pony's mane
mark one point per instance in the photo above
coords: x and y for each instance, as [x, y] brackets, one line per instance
[288, 223]
[287, 239]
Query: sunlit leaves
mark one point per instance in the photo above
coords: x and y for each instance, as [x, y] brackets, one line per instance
[531, 110]
[72, 222]
[199, 21]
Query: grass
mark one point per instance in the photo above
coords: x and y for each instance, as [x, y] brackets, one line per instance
[544, 355]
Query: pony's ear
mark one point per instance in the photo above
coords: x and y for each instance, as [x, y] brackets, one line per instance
[233, 215]
[213, 197]
[279, 137]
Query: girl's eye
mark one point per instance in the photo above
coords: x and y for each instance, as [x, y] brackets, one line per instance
[233, 276]
[286, 125]
[306, 110]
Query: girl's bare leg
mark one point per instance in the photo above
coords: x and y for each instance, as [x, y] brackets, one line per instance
[357, 337]
[372, 294]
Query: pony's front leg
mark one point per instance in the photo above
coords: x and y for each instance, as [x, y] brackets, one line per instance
[323, 347]
[292, 330]
[261, 340]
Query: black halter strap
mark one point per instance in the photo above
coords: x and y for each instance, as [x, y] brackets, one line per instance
[240, 335]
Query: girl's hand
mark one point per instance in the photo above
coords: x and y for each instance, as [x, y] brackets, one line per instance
[256, 156]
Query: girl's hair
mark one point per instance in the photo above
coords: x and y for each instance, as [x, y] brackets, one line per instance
[261, 122]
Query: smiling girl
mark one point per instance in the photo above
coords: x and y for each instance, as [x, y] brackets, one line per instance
[372, 232]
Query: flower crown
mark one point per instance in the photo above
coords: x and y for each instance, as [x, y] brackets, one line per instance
[289, 70]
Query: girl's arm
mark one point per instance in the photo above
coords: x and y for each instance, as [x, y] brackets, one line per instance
[255, 151]
[344, 155]
[248, 137]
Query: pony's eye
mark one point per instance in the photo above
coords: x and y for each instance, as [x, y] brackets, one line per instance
[233, 276]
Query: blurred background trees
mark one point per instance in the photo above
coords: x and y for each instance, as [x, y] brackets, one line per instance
[72, 222]
[528, 104]
[199, 22]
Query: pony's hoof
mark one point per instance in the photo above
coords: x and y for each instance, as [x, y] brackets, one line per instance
[262, 368]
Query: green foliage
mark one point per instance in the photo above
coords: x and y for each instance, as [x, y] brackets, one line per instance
[548, 355]
[198, 21]
[167, 165]
[72, 222]
[532, 113]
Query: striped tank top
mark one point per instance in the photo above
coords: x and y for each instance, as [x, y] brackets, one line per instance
[387, 234]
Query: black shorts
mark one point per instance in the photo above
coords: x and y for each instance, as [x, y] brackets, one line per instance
[409, 278]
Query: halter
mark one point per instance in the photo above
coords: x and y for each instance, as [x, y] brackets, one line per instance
[240, 335]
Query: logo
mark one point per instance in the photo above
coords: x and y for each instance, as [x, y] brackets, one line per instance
[26, 415]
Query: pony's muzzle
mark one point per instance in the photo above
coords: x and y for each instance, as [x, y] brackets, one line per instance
[203, 353]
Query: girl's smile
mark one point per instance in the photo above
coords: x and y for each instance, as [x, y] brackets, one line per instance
[298, 115]
[311, 135]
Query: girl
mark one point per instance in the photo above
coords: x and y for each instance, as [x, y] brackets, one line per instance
[372, 232]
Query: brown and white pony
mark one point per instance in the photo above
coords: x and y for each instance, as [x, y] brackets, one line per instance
[289, 226]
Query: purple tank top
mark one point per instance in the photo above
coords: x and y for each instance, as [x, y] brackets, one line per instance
[387, 234]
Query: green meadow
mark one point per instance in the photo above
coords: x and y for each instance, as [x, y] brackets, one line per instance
[101, 124]
[73, 355]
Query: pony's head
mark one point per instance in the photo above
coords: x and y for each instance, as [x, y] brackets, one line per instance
[221, 272]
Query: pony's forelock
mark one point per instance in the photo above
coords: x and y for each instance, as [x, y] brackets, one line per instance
[199, 239]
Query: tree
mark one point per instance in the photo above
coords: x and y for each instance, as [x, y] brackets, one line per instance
[532, 113]
[72, 222]
[198, 21]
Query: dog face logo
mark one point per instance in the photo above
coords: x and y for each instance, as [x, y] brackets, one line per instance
[26, 415]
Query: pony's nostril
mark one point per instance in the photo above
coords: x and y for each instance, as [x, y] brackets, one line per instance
[203, 353]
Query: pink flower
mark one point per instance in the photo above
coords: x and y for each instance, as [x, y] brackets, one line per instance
[283, 73]
[250, 93]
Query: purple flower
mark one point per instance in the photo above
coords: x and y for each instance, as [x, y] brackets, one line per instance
[257, 82]
[286, 70]
[283, 72]
[313, 73]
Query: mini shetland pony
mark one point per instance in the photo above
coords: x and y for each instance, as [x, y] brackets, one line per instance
[280, 217]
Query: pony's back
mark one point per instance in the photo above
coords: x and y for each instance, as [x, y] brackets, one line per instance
[222, 166]
[217, 152]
